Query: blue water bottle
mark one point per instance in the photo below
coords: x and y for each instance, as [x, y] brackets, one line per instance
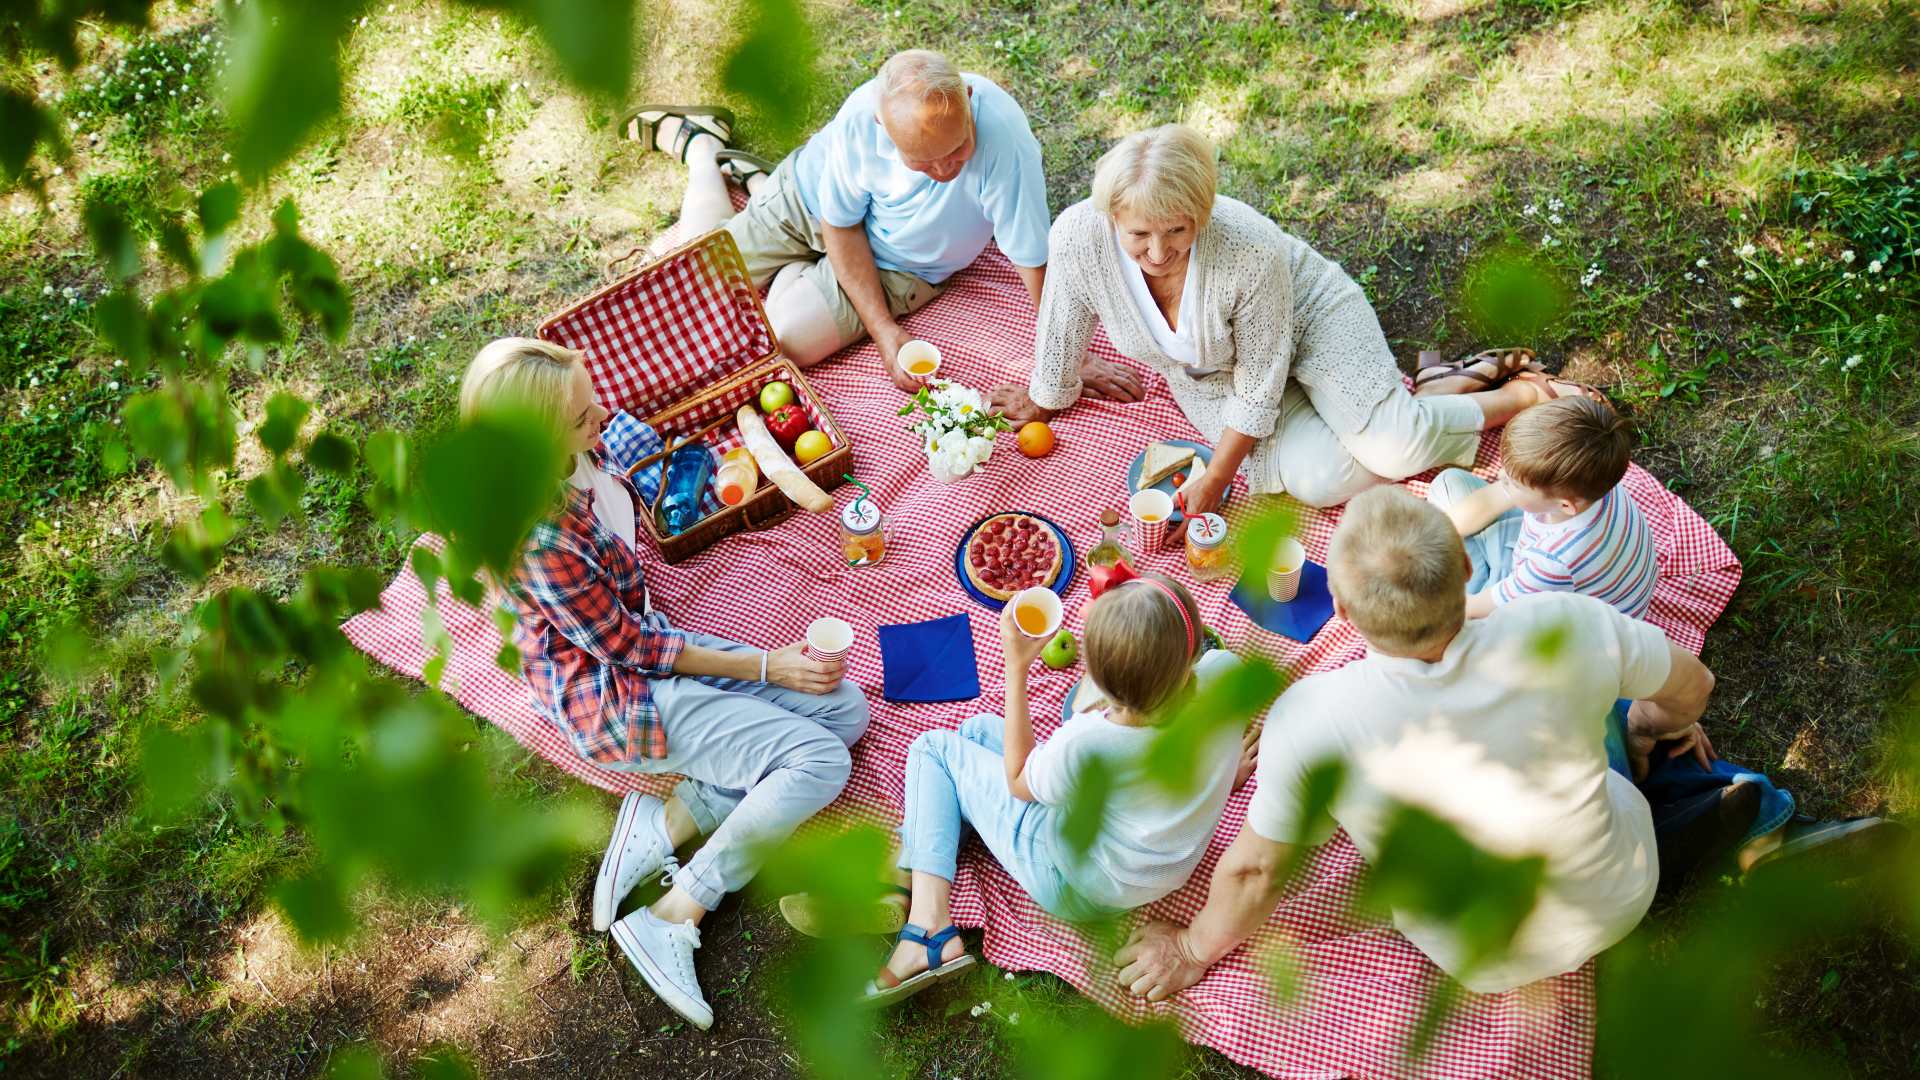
[687, 472]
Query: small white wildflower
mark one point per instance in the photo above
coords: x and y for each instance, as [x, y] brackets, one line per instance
[1882, 317]
[1853, 361]
[1529, 210]
[1751, 275]
[1688, 275]
[1847, 256]
[113, 385]
[1799, 261]
[1848, 275]
[433, 281]
[224, 158]
[1352, 15]
[1873, 267]
[33, 380]
[1739, 301]
[1555, 204]
[974, 1012]
[1553, 219]
[1748, 251]
[47, 291]
[1007, 975]
[1701, 262]
[1767, 450]
[59, 170]
[489, 115]
[119, 363]
[1013, 1018]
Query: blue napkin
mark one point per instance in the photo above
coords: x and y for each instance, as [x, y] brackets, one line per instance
[627, 440]
[1299, 618]
[929, 661]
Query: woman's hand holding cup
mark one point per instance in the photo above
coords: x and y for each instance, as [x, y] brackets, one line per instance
[792, 668]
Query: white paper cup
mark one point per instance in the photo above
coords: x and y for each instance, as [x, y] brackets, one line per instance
[829, 640]
[920, 359]
[1153, 510]
[1041, 601]
[1283, 579]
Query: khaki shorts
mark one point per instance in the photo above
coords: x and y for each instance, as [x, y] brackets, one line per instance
[774, 231]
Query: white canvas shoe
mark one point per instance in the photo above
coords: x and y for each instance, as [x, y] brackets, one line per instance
[639, 847]
[662, 952]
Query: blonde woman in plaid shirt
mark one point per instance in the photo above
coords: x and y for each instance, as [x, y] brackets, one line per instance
[760, 735]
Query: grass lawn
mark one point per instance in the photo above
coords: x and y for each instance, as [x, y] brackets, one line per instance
[1730, 192]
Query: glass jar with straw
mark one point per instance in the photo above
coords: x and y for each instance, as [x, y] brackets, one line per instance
[863, 528]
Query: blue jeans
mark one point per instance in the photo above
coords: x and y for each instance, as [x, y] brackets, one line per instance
[1491, 549]
[1678, 790]
[758, 759]
[959, 778]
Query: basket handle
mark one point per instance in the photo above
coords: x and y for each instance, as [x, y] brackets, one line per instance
[613, 268]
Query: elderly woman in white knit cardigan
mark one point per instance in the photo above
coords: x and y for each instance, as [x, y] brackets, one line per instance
[1271, 349]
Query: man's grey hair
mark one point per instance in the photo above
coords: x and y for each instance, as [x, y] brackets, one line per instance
[922, 77]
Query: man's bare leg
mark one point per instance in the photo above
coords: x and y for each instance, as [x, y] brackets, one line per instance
[801, 318]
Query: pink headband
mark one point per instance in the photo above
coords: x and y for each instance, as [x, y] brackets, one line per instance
[1120, 574]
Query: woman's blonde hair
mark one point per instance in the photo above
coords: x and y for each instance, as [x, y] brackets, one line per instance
[524, 373]
[1398, 568]
[1139, 648]
[1161, 174]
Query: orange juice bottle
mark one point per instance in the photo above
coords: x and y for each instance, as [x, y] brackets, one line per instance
[737, 478]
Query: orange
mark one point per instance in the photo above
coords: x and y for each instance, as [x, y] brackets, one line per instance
[1036, 439]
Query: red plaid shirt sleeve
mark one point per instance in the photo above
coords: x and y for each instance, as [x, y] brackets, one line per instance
[580, 603]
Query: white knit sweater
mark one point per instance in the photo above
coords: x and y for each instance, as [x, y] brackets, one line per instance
[1267, 307]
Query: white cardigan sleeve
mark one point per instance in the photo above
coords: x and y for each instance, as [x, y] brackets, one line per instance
[1066, 323]
[1263, 331]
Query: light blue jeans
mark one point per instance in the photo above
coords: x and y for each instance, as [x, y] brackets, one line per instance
[1491, 549]
[959, 778]
[759, 760]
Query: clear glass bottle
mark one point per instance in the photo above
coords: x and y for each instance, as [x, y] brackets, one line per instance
[1207, 554]
[1109, 550]
[863, 533]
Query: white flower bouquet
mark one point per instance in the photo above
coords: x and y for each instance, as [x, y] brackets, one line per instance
[956, 426]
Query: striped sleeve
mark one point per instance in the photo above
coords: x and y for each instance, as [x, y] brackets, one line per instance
[1534, 571]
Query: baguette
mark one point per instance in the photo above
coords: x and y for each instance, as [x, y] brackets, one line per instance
[776, 466]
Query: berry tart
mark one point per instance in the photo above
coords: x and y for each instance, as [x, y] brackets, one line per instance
[1010, 552]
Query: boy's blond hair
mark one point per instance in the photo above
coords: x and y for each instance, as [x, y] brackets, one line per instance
[1137, 646]
[1569, 448]
[1397, 566]
[1162, 173]
[524, 373]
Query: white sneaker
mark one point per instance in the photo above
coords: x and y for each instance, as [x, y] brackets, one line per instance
[639, 847]
[662, 952]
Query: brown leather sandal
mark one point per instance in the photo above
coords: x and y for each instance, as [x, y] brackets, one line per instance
[1506, 364]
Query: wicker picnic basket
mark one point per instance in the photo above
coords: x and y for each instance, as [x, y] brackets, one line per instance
[682, 343]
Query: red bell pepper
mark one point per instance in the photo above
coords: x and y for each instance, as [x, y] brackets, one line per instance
[786, 424]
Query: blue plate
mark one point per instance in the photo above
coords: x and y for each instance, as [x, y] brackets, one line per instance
[1299, 618]
[1203, 455]
[1060, 582]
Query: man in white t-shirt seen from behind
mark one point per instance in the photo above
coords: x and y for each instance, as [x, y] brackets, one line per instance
[1493, 725]
[860, 226]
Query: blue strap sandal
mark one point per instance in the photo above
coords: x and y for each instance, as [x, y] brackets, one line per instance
[937, 969]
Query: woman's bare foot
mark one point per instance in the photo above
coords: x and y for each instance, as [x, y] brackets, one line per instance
[1546, 387]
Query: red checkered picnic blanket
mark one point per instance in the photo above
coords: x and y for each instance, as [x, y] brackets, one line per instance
[1362, 985]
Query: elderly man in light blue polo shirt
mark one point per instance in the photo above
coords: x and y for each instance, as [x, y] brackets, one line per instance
[903, 188]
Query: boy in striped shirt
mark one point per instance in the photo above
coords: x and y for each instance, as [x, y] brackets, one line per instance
[1556, 521]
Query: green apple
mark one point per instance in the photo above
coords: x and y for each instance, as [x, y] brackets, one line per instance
[775, 394]
[1061, 652]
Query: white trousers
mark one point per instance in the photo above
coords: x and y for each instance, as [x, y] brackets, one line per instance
[1321, 465]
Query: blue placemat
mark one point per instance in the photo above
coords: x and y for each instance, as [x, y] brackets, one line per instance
[929, 661]
[1299, 618]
